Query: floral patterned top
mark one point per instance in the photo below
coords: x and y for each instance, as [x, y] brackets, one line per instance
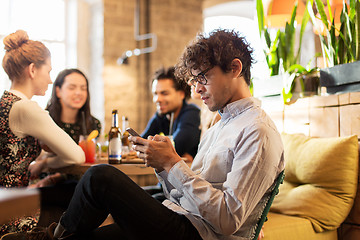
[74, 129]
[16, 154]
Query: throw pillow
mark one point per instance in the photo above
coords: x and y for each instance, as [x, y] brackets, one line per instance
[320, 179]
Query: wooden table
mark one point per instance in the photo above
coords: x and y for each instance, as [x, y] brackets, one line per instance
[18, 202]
[134, 168]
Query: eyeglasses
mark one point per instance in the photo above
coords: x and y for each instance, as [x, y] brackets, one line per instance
[200, 78]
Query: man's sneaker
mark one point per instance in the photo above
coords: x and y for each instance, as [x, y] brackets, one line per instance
[35, 234]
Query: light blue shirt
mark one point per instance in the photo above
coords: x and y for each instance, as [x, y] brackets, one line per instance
[238, 161]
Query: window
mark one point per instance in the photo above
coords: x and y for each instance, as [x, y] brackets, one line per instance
[240, 17]
[52, 22]
[247, 28]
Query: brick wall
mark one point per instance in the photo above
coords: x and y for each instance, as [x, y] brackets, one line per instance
[126, 86]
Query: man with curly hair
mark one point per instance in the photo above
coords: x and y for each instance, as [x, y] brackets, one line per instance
[224, 192]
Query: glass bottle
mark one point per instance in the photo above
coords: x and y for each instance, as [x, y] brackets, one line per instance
[115, 146]
[124, 139]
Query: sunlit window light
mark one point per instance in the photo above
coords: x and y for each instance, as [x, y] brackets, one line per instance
[46, 21]
[247, 28]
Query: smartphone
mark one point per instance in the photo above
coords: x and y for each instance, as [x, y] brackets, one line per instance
[133, 132]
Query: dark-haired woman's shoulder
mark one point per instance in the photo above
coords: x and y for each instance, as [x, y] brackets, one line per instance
[96, 124]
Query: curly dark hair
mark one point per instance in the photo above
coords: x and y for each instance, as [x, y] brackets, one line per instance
[169, 73]
[218, 49]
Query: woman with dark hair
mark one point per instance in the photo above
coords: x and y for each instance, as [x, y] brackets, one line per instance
[69, 104]
[69, 107]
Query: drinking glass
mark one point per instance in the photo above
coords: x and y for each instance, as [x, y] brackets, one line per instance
[89, 148]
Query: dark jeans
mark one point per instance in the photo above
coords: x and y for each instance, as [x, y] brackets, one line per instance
[104, 189]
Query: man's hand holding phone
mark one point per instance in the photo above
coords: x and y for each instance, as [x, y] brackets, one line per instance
[157, 151]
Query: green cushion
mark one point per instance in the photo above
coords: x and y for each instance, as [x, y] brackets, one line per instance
[320, 179]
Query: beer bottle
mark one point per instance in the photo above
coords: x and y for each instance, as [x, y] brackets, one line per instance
[115, 145]
[125, 135]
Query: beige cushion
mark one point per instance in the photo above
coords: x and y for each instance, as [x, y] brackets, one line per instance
[284, 227]
[320, 179]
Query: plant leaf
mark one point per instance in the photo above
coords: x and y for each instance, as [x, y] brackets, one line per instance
[297, 68]
[329, 10]
[305, 20]
[260, 15]
[357, 30]
[321, 9]
[286, 96]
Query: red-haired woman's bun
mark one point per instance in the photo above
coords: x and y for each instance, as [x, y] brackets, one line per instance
[15, 40]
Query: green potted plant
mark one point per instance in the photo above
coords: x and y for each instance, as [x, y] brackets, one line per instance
[273, 85]
[340, 47]
[304, 82]
[280, 52]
